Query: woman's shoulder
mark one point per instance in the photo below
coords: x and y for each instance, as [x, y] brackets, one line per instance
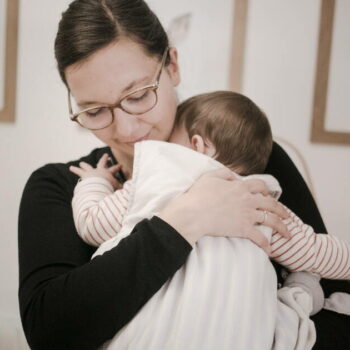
[58, 174]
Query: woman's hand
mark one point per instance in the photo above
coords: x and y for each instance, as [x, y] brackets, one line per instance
[219, 204]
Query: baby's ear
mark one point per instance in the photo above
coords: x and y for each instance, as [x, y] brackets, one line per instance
[197, 143]
[202, 146]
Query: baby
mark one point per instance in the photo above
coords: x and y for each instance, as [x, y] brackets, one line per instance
[227, 287]
[232, 129]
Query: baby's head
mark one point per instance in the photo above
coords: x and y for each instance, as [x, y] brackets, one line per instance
[226, 126]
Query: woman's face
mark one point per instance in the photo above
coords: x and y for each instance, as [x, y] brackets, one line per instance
[110, 74]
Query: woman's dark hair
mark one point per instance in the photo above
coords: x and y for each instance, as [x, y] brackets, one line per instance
[89, 25]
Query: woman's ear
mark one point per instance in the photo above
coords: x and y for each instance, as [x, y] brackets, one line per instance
[173, 67]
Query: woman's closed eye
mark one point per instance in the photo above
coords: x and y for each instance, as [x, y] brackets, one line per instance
[96, 112]
[138, 96]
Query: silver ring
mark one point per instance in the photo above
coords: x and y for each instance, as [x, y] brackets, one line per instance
[265, 217]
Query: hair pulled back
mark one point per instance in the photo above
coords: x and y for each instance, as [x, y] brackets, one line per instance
[89, 25]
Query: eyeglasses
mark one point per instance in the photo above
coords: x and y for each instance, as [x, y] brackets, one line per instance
[136, 102]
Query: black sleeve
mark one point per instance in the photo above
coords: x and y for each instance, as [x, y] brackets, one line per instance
[66, 300]
[295, 193]
[332, 329]
[297, 196]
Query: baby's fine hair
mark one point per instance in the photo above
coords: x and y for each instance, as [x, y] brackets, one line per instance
[235, 125]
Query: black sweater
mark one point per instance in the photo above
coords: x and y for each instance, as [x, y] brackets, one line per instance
[68, 301]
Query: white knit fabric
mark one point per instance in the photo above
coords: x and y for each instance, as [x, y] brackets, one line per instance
[224, 296]
[338, 302]
[294, 329]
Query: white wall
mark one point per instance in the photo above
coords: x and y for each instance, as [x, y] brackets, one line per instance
[42, 132]
[279, 75]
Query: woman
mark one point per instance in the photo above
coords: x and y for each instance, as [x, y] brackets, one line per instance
[107, 52]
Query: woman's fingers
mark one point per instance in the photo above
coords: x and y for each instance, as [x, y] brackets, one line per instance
[270, 213]
[260, 240]
[224, 174]
[226, 209]
[270, 204]
[256, 186]
[264, 217]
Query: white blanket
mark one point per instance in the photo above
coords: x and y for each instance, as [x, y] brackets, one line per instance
[225, 296]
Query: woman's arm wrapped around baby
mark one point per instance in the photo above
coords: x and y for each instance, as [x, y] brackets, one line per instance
[99, 206]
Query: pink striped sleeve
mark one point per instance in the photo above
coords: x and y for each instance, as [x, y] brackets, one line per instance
[324, 254]
[98, 210]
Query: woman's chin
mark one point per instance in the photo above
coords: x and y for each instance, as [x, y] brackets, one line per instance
[126, 150]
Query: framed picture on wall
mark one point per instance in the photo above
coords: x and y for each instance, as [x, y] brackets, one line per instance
[8, 58]
[239, 30]
[331, 116]
[330, 113]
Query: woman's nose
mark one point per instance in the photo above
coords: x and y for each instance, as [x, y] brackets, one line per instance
[126, 124]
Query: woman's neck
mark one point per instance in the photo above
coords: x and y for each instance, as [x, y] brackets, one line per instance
[126, 162]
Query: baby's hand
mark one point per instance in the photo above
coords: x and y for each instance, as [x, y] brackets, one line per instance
[85, 170]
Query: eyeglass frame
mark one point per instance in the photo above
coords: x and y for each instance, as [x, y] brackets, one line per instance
[153, 86]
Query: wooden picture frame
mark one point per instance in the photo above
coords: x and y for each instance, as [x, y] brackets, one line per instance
[8, 107]
[239, 30]
[319, 133]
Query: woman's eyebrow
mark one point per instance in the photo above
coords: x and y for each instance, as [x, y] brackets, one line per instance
[132, 85]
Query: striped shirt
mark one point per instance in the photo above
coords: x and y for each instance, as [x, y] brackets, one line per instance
[98, 213]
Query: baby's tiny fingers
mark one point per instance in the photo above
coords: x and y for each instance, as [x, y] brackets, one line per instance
[114, 168]
[76, 170]
[85, 166]
[102, 163]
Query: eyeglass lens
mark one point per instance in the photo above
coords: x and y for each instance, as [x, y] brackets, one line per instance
[100, 117]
